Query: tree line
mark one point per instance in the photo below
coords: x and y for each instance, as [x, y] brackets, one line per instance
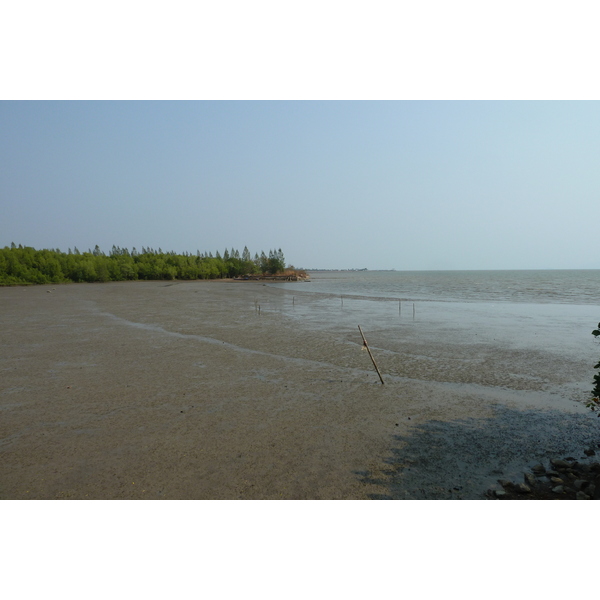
[21, 265]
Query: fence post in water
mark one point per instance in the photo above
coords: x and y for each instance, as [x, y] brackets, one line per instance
[399, 307]
[342, 299]
[369, 351]
[413, 311]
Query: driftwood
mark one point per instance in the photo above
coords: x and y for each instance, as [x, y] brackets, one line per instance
[369, 351]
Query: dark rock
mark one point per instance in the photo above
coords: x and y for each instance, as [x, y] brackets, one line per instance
[568, 479]
[589, 452]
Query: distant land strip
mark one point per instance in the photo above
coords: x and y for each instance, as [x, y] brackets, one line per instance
[21, 265]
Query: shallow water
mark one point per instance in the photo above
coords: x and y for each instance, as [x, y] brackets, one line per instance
[539, 322]
[563, 329]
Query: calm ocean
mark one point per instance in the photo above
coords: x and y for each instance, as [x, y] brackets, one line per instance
[537, 287]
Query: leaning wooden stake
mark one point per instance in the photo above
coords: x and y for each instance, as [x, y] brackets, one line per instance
[369, 351]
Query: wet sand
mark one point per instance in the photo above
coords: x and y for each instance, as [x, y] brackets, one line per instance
[186, 390]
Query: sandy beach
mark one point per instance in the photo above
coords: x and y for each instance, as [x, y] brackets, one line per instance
[189, 390]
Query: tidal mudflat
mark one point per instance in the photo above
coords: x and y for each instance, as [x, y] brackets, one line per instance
[238, 390]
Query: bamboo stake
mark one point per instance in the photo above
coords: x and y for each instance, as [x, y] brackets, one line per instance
[369, 351]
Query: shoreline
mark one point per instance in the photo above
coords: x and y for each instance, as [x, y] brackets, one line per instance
[182, 390]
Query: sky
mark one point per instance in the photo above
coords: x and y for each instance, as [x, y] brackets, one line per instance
[406, 185]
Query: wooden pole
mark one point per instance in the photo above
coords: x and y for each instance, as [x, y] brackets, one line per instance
[399, 307]
[369, 351]
[413, 311]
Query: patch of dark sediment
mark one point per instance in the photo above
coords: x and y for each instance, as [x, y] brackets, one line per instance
[467, 458]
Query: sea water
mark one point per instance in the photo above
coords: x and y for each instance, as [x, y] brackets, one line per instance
[537, 287]
[551, 312]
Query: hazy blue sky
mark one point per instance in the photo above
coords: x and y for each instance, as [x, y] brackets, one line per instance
[382, 185]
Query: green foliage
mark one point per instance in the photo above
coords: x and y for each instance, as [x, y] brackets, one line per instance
[25, 265]
[276, 262]
[594, 402]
